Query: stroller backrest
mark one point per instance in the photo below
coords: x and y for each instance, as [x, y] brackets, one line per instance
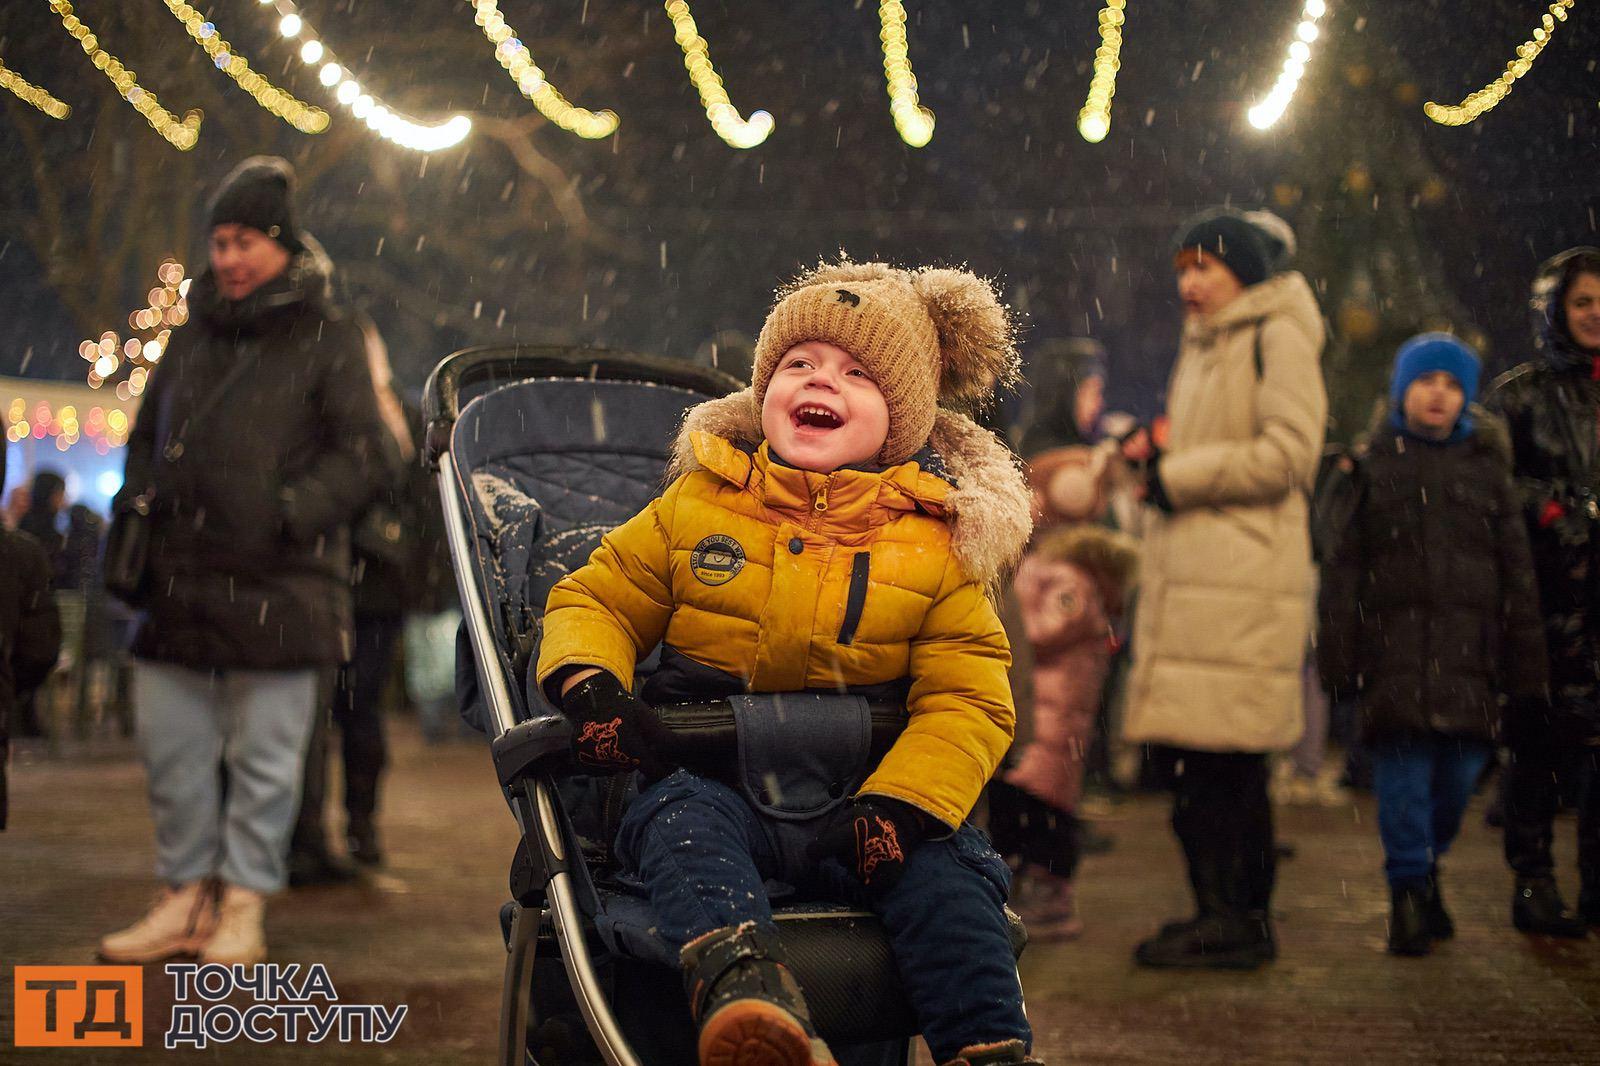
[545, 468]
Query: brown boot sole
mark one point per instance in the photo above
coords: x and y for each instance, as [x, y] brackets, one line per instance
[753, 1032]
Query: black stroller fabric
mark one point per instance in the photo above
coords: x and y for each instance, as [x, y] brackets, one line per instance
[547, 471]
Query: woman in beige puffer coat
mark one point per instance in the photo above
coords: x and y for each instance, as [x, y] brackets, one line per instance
[1222, 619]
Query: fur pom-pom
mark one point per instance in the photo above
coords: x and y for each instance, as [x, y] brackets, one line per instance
[977, 341]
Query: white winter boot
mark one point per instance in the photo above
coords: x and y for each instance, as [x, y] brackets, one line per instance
[240, 937]
[180, 922]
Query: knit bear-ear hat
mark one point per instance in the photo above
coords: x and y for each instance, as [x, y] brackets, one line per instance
[928, 337]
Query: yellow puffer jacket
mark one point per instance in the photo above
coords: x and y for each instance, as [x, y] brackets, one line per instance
[746, 565]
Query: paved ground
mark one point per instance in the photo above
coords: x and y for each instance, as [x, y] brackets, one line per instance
[76, 862]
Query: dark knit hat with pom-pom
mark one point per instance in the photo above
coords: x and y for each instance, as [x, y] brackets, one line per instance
[929, 337]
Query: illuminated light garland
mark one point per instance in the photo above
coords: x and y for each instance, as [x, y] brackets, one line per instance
[725, 119]
[304, 117]
[30, 93]
[104, 427]
[180, 133]
[1266, 113]
[1487, 97]
[913, 121]
[513, 55]
[168, 308]
[1094, 120]
[381, 119]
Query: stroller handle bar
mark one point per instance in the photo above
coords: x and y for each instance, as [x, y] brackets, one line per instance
[441, 397]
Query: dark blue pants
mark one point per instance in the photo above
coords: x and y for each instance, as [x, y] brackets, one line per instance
[1423, 788]
[704, 853]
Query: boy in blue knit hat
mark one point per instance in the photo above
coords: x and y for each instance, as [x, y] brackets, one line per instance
[1430, 614]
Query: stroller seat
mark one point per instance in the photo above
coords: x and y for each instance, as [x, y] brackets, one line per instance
[539, 452]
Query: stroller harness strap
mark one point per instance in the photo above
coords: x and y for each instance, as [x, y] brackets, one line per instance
[801, 754]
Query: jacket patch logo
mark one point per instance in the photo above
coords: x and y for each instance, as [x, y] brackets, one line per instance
[848, 297]
[716, 560]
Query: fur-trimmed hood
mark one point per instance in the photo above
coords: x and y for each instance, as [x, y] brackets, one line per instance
[970, 477]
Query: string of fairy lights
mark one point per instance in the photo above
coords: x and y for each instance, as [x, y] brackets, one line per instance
[392, 125]
[1486, 98]
[1094, 120]
[912, 121]
[180, 133]
[530, 79]
[1265, 114]
[302, 116]
[30, 93]
[733, 128]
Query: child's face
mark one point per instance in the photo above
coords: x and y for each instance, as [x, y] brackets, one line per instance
[1432, 404]
[823, 410]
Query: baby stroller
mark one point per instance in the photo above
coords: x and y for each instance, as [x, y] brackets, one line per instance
[539, 452]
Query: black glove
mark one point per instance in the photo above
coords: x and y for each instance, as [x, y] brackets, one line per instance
[873, 836]
[614, 731]
[1155, 491]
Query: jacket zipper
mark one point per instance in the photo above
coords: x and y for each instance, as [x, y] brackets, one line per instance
[819, 503]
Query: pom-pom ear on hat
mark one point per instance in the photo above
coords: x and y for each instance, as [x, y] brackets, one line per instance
[977, 344]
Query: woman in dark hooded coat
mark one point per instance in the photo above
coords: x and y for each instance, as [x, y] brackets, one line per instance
[1551, 405]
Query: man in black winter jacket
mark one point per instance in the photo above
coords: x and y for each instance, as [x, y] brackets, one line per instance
[1552, 407]
[30, 628]
[257, 443]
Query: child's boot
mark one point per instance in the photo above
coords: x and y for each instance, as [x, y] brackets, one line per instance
[180, 923]
[1408, 919]
[749, 1009]
[1005, 1053]
[240, 937]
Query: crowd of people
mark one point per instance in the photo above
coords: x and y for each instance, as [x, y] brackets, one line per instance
[1165, 588]
[1434, 582]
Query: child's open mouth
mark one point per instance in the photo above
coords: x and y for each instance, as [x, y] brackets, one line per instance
[812, 416]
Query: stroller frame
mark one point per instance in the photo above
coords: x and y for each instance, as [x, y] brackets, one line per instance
[550, 881]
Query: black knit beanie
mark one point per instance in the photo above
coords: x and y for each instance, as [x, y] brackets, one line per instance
[1232, 238]
[258, 194]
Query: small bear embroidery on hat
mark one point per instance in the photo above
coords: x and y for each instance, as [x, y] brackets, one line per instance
[848, 297]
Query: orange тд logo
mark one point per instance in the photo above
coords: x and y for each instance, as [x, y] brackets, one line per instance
[79, 1006]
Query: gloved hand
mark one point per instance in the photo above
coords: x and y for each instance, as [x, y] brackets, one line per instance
[613, 731]
[873, 836]
[1155, 491]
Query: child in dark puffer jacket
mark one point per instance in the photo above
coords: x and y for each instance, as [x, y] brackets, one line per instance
[1430, 614]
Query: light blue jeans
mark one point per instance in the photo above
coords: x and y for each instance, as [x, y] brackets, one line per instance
[192, 725]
